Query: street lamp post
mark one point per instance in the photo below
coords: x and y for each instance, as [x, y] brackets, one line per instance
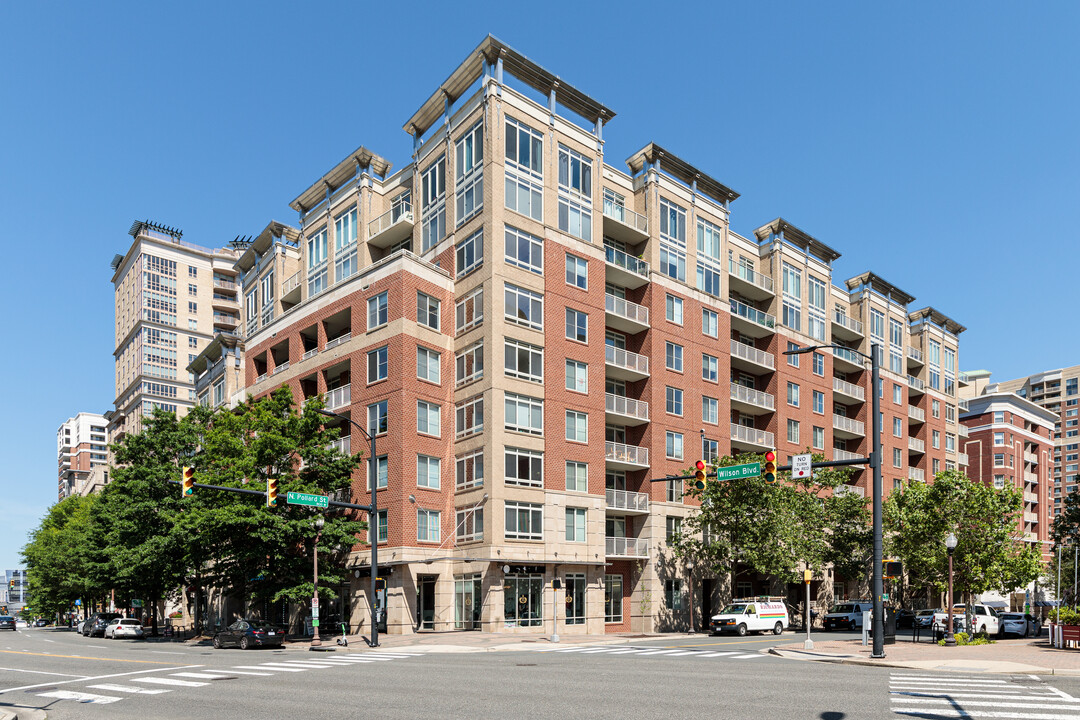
[315, 641]
[950, 545]
[373, 516]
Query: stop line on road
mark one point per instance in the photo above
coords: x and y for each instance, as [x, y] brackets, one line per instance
[649, 652]
[933, 696]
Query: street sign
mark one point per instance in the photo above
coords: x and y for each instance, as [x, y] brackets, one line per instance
[738, 472]
[314, 601]
[800, 466]
[319, 501]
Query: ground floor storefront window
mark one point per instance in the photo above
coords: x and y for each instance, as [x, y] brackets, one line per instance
[613, 598]
[575, 598]
[523, 600]
[467, 590]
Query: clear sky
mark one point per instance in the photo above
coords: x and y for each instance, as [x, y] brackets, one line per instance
[933, 143]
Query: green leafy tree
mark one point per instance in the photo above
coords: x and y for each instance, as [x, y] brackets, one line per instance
[57, 557]
[1065, 533]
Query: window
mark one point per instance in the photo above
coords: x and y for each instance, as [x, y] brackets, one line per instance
[575, 194]
[382, 472]
[897, 394]
[383, 527]
[577, 325]
[613, 599]
[193, 342]
[524, 361]
[672, 240]
[710, 323]
[377, 311]
[577, 426]
[672, 528]
[815, 298]
[999, 438]
[317, 263]
[470, 470]
[469, 173]
[999, 459]
[793, 431]
[897, 427]
[999, 482]
[427, 311]
[524, 414]
[469, 311]
[193, 307]
[673, 309]
[524, 170]
[377, 365]
[427, 365]
[524, 307]
[345, 245]
[469, 417]
[950, 442]
[469, 253]
[793, 360]
[577, 376]
[524, 250]
[897, 457]
[710, 410]
[819, 402]
[576, 476]
[433, 204]
[792, 295]
[710, 450]
[819, 364]
[710, 367]
[935, 439]
[427, 526]
[427, 471]
[470, 524]
[674, 398]
[936, 466]
[377, 418]
[818, 437]
[575, 524]
[877, 324]
[673, 446]
[193, 272]
[524, 521]
[524, 467]
[577, 272]
[673, 357]
[428, 419]
[793, 394]
[469, 364]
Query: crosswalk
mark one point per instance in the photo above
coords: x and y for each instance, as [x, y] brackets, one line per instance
[644, 651]
[932, 696]
[105, 693]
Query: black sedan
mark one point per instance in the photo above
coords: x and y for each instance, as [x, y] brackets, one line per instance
[905, 618]
[7, 623]
[250, 633]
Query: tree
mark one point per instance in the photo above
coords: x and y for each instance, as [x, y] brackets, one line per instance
[990, 553]
[57, 559]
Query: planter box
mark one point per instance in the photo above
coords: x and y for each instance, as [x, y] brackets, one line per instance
[1065, 636]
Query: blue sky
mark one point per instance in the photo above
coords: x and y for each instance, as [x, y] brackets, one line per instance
[933, 143]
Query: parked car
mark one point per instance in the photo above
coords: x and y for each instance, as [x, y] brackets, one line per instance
[41, 622]
[905, 618]
[925, 618]
[751, 616]
[249, 633]
[847, 615]
[1020, 624]
[124, 628]
[95, 625]
[983, 618]
[7, 623]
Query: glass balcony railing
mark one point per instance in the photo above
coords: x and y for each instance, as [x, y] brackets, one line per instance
[751, 276]
[850, 355]
[618, 211]
[626, 547]
[401, 211]
[344, 445]
[291, 284]
[627, 262]
[914, 353]
[851, 324]
[916, 383]
[754, 315]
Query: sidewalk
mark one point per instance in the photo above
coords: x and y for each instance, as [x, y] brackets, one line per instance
[1032, 656]
[473, 642]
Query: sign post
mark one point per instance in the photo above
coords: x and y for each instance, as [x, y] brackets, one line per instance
[800, 466]
[808, 644]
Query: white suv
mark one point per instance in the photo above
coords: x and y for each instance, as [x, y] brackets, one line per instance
[847, 615]
[983, 618]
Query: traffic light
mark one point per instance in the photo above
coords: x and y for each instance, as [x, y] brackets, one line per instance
[271, 492]
[769, 472]
[699, 475]
[189, 482]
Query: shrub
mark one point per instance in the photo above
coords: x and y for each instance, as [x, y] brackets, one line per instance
[963, 638]
[1068, 616]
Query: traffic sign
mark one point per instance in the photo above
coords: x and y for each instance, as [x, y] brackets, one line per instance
[314, 601]
[800, 466]
[319, 501]
[738, 472]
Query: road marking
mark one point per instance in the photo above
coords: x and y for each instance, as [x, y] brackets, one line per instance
[48, 640]
[656, 652]
[201, 676]
[169, 681]
[951, 713]
[84, 657]
[276, 666]
[720, 654]
[39, 672]
[264, 669]
[166, 652]
[129, 689]
[248, 672]
[80, 697]
[301, 663]
[748, 656]
[97, 677]
[99, 647]
[967, 703]
[394, 655]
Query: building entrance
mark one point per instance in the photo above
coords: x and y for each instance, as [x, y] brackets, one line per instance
[425, 602]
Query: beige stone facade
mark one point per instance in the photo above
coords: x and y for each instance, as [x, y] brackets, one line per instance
[82, 446]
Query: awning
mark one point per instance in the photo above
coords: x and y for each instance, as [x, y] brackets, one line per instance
[995, 603]
[1045, 603]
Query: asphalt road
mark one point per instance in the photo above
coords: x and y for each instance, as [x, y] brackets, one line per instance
[694, 677]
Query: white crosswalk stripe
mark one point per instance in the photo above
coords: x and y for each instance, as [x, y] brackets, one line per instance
[169, 681]
[653, 652]
[200, 675]
[128, 689]
[80, 697]
[931, 697]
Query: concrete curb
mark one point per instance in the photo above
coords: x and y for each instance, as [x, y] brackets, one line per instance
[22, 714]
[854, 660]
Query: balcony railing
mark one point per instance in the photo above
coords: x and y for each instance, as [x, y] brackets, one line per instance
[626, 309]
[629, 454]
[262, 377]
[291, 284]
[752, 436]
[343, 338]
[916, 444]
[851, 324]
[402, 211]
[310, 353]
[627, 262]
[850, 389]
[1029, 497]
[963, 378]
[839, 422]
[1031, 478]
[627, 547]
[221, 319]
[752, 397]
[343, 444]
[962, 458]
[1030, 457]
[850, 355]
[754, 278]
[280, 368]
[752, 354]
[916, 413]
[339, 397]
[626, 359]
[916, 474]
[1030, 537]
[224, 284]
[962, 404]
[962, 431]
[619, 405]
[1031, 517]
[914, 353]
[626, 500]
[754, 315]
[844, 455]
[618, 211]
[916, 383]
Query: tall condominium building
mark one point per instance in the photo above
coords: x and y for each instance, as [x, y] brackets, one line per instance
[533, 332]
[172, 297]
[18, 590]
[82, 447]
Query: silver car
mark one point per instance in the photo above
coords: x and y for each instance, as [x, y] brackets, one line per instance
[124, 628]
[925, 618]
[1019, 624]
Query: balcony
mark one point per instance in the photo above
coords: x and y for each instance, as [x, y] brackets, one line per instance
[393, 226]
[1030, 537]
[914, 356]
[280, 368]
[851, 390]
[963, 379]
[916, 474]
[845, 427]
[962, 431]
[310, 353]
[750, 283]
[343, 445]
[962, 459]
[1031, 478]
[624, 315]
[751, 321]
[625, 411]
[222, 284]
[848, 359]
[749, 358]
[622, 223]
[963, 405]
[229, 321]
[290, 289]
[626, 502]
[916, 385]
[225, 302]
[625, 365]
[624, 269]
[846, 328]
[340, 339]
[1030, 497]
[748, 438]
[838, 454]
[339, 397]
[619, 456]
[751, 401]
[916, 445]
[627, 547]
[1031, 517]
[1030, 457]
[916, 414]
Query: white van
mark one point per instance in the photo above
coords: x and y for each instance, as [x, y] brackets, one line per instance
[743, 616]
[847, 615]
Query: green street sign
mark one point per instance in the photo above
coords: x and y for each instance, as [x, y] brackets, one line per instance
[319, 501]
[738, 472]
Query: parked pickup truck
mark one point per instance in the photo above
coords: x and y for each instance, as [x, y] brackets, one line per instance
[983, 618]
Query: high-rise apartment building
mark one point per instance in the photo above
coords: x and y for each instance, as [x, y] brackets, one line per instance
[82, 447]
[534, 332]
[172, 297]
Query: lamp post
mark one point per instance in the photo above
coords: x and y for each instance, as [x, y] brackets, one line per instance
[373, 516]
[874, 461]
[950, 545]
[315, 641]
